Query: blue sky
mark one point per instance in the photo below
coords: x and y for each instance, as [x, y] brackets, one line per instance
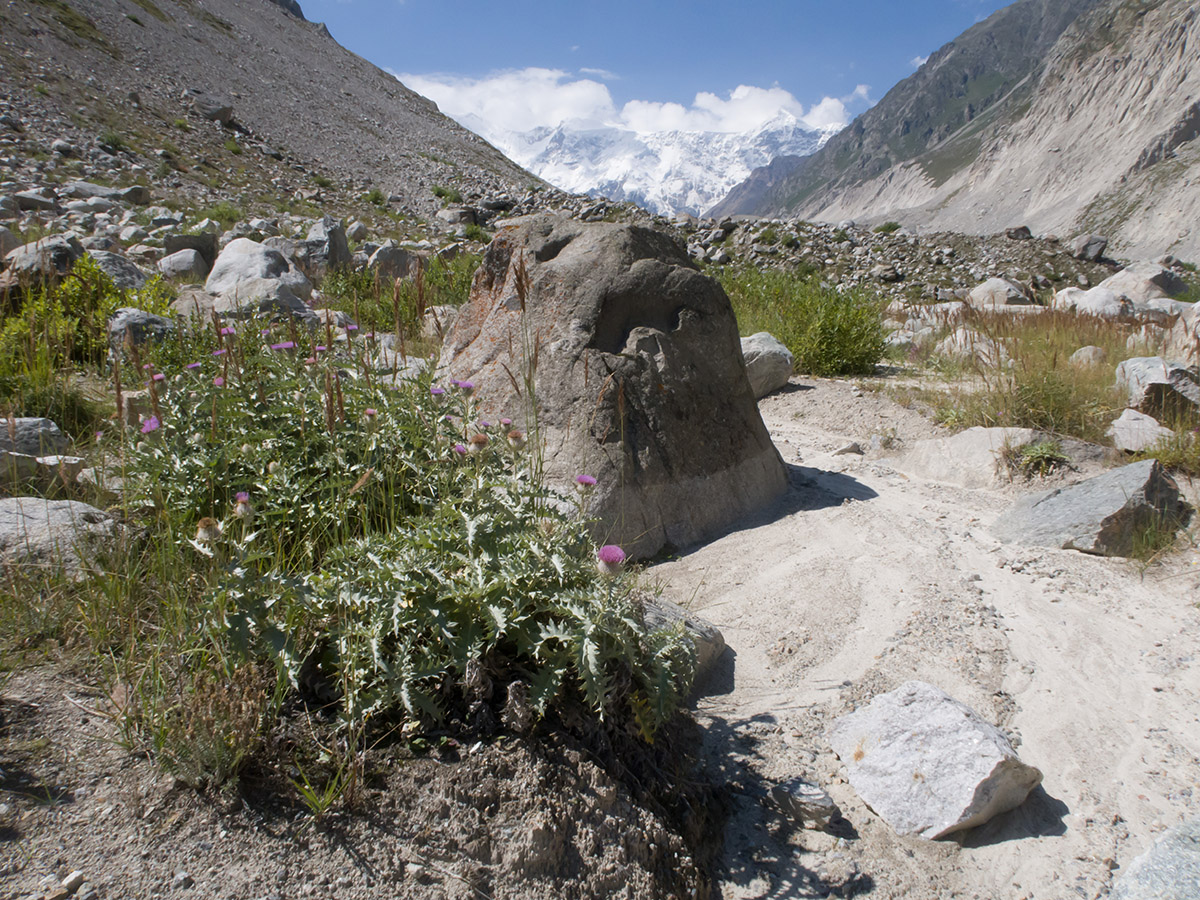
[520, 63]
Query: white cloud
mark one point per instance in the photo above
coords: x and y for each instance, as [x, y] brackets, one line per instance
[918, 61]
[523, 99]
[600, 73]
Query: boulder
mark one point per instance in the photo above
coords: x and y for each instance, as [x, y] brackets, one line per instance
[929, 765]
[1159, 387]
[457, 215]
[17, 468]
[124, 274]
[438, 321]
[1020, 233]
[639, 377]
[1144, 281]
[1089, 247]
[1169, 870]
[768, 363]
[8, 208]
[8, 242]
[1183, 340]
[973, 458]
[204, 243]
[1135, 431]
[1102, 515]
[242, 268]
[134, 326]
[965, 344]
[55, 535]
[183, 265]
[357, 232]
[263, 297]
[997, 292]
[213, 107]
[390, 263]
[36, 201]
[51, 257]
[32, 436]
[1100, 301]
[1087, 357]
[327, 244]
[704, 635]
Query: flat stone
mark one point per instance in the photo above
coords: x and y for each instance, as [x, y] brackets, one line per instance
[1158, 386]
[997, 292]
[1135, 431]
[32, 436]
[805, 803]
[52, 534]
[972, 458]
[927, 764]
[1169, 870]
[1101, 515]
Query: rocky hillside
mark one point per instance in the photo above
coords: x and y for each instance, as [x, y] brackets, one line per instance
[241, 95]
[1064, 116]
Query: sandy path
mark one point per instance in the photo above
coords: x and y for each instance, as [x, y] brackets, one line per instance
[867, 577]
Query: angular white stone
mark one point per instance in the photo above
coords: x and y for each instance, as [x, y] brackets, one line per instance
[929, 765]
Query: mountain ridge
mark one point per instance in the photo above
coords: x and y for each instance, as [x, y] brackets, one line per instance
[1097, 137]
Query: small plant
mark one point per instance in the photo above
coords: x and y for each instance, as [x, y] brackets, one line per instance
[448, 195]
[887, 228]
[113, 141]
[840, 236]
[376, 197]
[135, 20]
[321, 181]
[41, 89]
[224, 212]
[233, 147]
[183, 125]
[476, 233]
[1037, 459]
[769, 236]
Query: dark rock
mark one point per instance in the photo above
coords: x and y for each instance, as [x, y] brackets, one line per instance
[391, 263]
[1020, 233]
[639, 380]
[51, 257]
[1159, 387]
[124, 274]
[204, 243]
[1089, 247]
[32, 436]
[134, 326]
[1101, 515]
[36, 201]
[327, 243]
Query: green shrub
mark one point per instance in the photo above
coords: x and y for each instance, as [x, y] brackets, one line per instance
[376, 196]
[224, 212]
[321, 181]
[887, 228]
[449, 195]
[233, 147]
[477, 233]
[828, 332]
[113, 141]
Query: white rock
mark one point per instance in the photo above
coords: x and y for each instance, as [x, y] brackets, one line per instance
[768, 363]
[1135, 431]
[997, 292]
[972, 458]
[929, 765]
[243, 263]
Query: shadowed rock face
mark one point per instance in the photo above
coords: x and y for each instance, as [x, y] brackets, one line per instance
[637, 373]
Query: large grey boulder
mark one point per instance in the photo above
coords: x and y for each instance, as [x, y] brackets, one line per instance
[83, 190]
[124, 273]
[639, 379]
[134, 326]
[1099, 301]
[8, 243]
[36, 201]
[997, 292]
[51, 257]
[1169, 870]
[1089, 247]
[1183, 340]
[242, 267]
[327, 243]
[973, 458]
[929, 765]
[32, 436]
[706, 638]
[54, 535]
[390, 263]
[1102, 515]
[1158, 386]
[1144, 281]
[213, 107]
[183, 265]
[204, 243]
[768, 363]
[263, 297]
[1135, 431]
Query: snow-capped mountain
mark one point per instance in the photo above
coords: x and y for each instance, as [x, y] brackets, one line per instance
[666, 172]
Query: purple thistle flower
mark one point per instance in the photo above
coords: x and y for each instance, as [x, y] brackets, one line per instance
[151, 424]
[586, 481]
[320, 348]
[146, 367]
[243, 497]
[352, 327]
[226, 330]
[370, 412]
[610, 559]
[159, 376]
[220, 352]
[483, 425]
[218, 381]
[506, 422]
[465, 386]
[265, 332]
[192, 366]
[460, 449]
[437, 391]
[285, 345]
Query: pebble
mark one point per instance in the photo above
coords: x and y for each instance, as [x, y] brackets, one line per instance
[73, 881]
[182, 880]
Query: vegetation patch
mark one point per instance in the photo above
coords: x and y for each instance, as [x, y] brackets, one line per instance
[447, 194]
[829, 332]
[150, 7]
[77, 24]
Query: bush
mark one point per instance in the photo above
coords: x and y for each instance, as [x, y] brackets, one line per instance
[343, 533]
[376, 197]
[829, 333]
[233, 147]
[887, 228]
[224, 212]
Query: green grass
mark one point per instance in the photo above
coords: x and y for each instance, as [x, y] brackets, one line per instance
[887, 228]
[151, 8]
[233, 147]
[224, 212]
[449, 195]
[829, 333]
